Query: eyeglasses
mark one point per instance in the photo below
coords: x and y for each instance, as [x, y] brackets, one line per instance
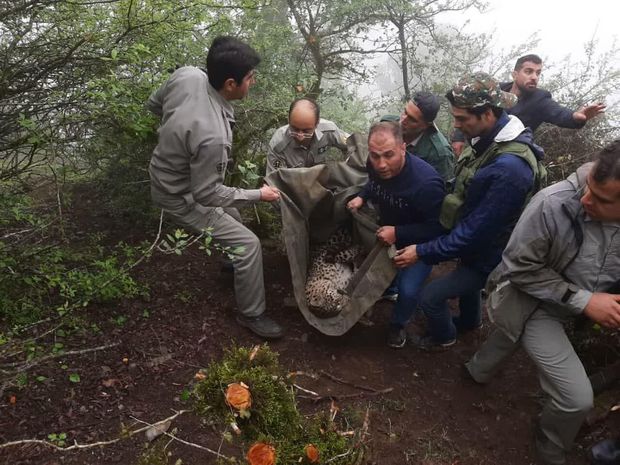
[302, 133]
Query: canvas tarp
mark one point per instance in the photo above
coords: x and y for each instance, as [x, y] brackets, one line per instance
[313, 207]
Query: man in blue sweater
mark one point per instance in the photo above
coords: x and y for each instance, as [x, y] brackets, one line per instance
[495, 176]
[536, 106]
[408, 192]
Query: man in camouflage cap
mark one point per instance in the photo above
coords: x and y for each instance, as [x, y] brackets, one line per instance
[494, 178]
[307, 140]
[479, 90]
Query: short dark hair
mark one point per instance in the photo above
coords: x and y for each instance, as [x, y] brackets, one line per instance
[478, 111]
[228, 58]
[607, 163]
[313, 104]
[531, 57]
[391, 127]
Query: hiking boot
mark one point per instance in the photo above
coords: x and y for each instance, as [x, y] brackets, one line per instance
[547, 452]
[466, 376]
[227, 266]
[261, 325]
[461, 328]
[427, 342]
[606, 452]
[397, 337]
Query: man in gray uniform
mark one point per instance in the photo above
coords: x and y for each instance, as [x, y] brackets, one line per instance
[562, 260]
[307, 140]
[188, 166]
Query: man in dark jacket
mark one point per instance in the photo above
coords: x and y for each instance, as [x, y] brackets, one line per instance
[536, 106]
[494, 177]
[409, 193]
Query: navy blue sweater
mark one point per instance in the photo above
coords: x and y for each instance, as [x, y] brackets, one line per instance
[494, 201]
[410, 201]
[537, 107]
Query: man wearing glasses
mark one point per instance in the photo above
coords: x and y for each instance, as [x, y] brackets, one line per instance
[307, 140]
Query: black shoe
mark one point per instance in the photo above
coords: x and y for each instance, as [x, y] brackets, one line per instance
[227, 266]
[397, 337]
[606, 452]
[427, 342]
[261, 325]
[462, 329]
[547, 452]
[467, 376]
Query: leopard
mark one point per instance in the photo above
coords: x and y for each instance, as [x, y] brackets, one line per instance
[332, 265]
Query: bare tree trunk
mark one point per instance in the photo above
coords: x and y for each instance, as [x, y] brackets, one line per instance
[404, 62]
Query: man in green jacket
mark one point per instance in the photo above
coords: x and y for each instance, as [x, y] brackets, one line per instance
[422, 136]
[562, 260]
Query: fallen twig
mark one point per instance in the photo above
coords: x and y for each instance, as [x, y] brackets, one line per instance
[312, 393]
[187, 443]
[349, 383]
[25, 366]
[42, 442]
[347, 396]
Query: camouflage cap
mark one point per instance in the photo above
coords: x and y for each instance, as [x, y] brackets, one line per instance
[479, 89]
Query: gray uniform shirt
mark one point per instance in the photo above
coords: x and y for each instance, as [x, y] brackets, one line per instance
[596, 267]
[195, 137]
[537, 265]
[285, 152]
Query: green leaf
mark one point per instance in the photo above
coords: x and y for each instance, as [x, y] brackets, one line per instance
[40, 378]
[74, 378]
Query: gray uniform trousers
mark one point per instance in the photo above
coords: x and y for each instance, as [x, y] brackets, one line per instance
[560, 373]
[229, 231]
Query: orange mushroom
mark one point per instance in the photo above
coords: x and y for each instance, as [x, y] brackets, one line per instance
[312, 453]
[238, 396]
[261, 454]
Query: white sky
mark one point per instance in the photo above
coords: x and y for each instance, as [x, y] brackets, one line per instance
[563, 26]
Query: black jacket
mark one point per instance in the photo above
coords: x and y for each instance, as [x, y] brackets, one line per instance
[538, 107]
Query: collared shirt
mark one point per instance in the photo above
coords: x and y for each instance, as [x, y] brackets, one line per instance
[195, 137]
[596, 268]
[328, 143]
[432, 147]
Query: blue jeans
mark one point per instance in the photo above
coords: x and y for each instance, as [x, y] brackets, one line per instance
[410, 281]
[464, 283]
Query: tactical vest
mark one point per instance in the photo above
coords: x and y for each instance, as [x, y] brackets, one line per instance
[467, 166]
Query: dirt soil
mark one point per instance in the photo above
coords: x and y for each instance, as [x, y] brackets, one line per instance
[432, 416]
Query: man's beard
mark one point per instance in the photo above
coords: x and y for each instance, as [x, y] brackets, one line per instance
[526, 90]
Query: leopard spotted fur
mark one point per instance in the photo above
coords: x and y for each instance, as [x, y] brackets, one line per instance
[332, 266]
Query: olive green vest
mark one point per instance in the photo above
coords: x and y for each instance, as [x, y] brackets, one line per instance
[467, 166]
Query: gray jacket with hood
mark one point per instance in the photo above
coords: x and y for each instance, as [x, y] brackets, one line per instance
[195, 137]
[556, 258]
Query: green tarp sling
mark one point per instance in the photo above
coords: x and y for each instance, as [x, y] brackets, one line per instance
[313, 207]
